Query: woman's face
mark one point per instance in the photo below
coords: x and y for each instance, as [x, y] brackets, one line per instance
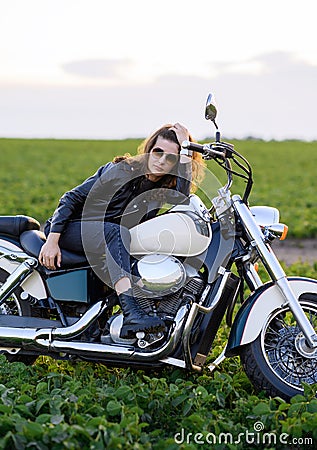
[162, 158]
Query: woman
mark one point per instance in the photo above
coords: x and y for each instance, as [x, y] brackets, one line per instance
[92, 217]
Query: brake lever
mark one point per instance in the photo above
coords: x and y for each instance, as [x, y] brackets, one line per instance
[212, 152]
[226, 149]
[218, 149]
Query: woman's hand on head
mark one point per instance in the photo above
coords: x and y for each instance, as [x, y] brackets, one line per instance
[50, 255]
[181, 132]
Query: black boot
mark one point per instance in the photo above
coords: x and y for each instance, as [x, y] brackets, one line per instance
[134, 318]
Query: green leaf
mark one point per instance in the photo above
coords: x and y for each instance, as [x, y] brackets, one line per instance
[187, 408]
[57, 419]
[24, 411]
[41, 403]
[25, 399]
[220, 398]
[201, 391]
[124, 392]
[312, 406]
[295, 409]
[41, 387]
[43, 418]
[6, 424]
[32, 430]
[180, 399]
[113, 408]
[262, 409]
[298, 399]
[5, 409]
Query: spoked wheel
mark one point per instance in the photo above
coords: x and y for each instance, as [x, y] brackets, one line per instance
[13, 305]
[280, 360]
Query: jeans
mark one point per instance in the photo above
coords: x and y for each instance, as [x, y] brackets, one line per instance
[98, 240]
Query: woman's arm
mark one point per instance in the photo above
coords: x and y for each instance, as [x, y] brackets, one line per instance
[184, 168]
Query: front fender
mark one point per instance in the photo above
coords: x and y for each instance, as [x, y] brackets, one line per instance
[255, 311]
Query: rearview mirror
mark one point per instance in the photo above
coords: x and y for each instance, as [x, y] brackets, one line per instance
[211, 109]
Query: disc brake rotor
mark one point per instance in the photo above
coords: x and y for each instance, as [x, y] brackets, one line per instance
[286, 350]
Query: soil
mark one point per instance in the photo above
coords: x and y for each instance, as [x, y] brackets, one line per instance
[296, 250]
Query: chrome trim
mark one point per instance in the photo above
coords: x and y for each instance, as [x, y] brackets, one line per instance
[160, 274]
[46, 339]
[18, 257]
[82, 324]
[265, 215]
[174, 362]
[196, 206]
[274, 268]
[253, 277]
[120, 351]
[16, 277]
[12, 351]
[214, 365]
[20, 337]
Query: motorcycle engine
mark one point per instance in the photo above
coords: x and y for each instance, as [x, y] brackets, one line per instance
[165, 288]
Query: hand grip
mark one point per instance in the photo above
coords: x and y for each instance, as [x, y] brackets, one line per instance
[193, 146]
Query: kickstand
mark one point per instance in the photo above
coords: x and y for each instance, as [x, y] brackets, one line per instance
[213, 366]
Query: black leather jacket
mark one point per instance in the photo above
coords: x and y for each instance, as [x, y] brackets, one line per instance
[116, 191]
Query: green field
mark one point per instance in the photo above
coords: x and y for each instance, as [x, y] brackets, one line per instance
[62, 405]
[35, 173]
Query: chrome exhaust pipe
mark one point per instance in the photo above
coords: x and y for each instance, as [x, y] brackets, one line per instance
[22, 337]
[54, 340]
[117, 351]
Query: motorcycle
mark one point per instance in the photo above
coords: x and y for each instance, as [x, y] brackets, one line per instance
[208, 274]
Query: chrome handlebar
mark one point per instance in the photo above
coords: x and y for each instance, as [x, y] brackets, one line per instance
[209, 151]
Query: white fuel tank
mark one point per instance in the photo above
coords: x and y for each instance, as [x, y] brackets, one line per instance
[173, 233]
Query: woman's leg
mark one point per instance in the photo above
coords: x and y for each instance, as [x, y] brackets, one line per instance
[117, 251]
[118, 261]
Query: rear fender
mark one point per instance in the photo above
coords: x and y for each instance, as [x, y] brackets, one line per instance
[255, 311]
[33, 284]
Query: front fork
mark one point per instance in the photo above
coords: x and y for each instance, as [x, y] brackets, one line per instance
[274, 269]
[26, 264]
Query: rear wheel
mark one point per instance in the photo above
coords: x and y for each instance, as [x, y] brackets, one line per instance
[13, 305]
[279, 360]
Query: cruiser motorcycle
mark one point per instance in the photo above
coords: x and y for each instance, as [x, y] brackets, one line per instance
[204, 278]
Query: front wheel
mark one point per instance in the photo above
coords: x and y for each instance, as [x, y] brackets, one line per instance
[13, 305]
[279, 360]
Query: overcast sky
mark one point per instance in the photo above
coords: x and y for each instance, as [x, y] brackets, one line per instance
[102, 69]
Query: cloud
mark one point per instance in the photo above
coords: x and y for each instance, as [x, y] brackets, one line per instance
[277, 62]
[98, 68]
[277, 102]
[272, 62]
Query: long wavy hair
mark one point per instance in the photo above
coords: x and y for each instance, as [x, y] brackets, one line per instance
[169, 180]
